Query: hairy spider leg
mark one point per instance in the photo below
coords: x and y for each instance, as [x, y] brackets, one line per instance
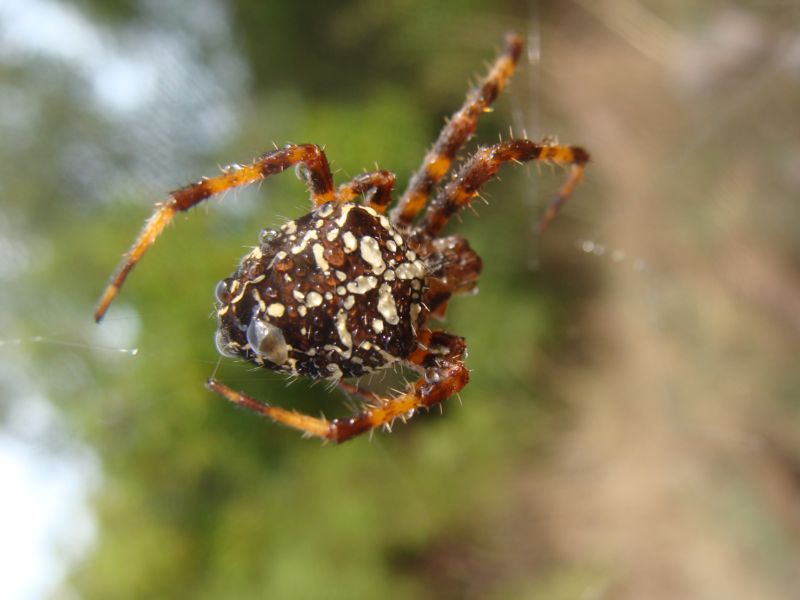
[354, 390]
[454, 268]
[573, 178]
[456, 132]
[483, 166]
[376, 187]
[440, 355]
[317, 175]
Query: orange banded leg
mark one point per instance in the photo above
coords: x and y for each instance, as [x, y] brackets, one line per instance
[456, 132]
[376, 187]
[483, 166]
[445, 374]
[317, 176]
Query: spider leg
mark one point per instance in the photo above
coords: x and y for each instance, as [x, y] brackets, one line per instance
[456, 132]
[316, 174]
[441, 359]
[483, 166]
[377, 187]
[354, 390]
[454, 269]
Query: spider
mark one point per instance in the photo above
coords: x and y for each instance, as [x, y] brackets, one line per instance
[346, 290]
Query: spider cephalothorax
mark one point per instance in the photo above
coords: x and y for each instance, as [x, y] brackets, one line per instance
[345, 290]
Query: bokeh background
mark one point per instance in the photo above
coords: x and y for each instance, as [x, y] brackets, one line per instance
[632, 427]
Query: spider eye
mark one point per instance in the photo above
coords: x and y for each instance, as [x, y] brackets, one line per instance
[265, 236]
[222, 343]
[267, 340]
[221, 291]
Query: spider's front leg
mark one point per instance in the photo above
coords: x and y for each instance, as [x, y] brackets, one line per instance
[376, 188]
[439, 355]
[483, 166]
[317, 175]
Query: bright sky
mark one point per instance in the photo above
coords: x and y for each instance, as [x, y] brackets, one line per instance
[44, 516]
[43, 513]
[120, 79]
[45, 521]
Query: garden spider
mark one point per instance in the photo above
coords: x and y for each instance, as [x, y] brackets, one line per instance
[345, 290]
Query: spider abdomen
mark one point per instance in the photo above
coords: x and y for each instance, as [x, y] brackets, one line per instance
[335, 293]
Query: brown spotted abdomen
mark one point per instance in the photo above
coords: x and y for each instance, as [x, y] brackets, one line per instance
[335, 293]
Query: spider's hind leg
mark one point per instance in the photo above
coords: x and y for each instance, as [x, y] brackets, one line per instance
[440, 357]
